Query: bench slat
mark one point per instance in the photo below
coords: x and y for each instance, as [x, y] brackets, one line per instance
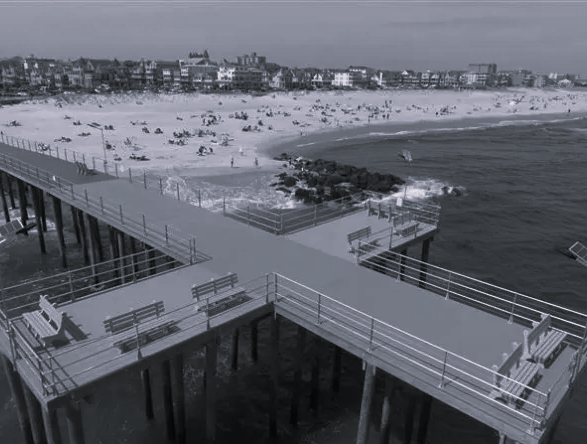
[127, 320]
[215, 285]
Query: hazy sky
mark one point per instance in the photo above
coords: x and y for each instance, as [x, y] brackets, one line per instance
[544, 37]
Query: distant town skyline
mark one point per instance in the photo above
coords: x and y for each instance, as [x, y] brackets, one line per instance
[326, 34]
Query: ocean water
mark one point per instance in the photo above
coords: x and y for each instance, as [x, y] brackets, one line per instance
[524, 194]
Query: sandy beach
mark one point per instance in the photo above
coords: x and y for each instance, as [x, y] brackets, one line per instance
[144, 123]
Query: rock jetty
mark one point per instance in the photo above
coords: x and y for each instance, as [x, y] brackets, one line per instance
[316, 181]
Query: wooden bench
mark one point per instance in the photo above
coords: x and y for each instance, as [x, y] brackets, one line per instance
[147, 322]
[543, 344]
[226, 300]
[46, 324]
[83, 169]
[405, 225]
[514, 377]
[358, 235]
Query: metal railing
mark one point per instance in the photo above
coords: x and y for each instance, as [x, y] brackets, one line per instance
[383, 341]
[580, 252]
[57, 379]
[143, 228]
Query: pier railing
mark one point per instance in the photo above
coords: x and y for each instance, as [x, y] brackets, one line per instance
[432, 364]
[152, 232]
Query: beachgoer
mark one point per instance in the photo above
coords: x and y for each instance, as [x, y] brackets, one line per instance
[231, 161]
[240, 150]
[256, 161]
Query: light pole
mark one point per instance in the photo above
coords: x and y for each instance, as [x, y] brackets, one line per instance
[405, 154]
[97, 126]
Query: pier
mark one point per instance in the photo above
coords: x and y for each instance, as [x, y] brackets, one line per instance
[178, 276]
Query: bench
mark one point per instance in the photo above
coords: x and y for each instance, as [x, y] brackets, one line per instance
[543, 344]
[405, 225]
[83, 169]
[358, 235]
[381, 211]
[514, 377]
[235, 296]
[46, 324]
[146, 319]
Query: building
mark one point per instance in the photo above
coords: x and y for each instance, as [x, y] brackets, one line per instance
[282, 79]
[164, 72]
[360, 76]
[481, 75]
[342, 79]
[251, 60]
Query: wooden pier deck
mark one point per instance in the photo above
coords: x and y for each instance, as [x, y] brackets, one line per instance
[417, 316]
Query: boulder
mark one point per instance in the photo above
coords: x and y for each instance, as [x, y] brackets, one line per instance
[290, 181]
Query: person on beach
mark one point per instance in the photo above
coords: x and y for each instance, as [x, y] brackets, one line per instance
[240, 150]
[256, 162]
[231, 161]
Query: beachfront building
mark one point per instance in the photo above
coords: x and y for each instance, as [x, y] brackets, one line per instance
[342, 79]
[481, 75]
[252, 60]
[391, 78]
[282, 79]
[317, 80]
[164, 72]
[226, 74]
[360, 76]
[10, 74]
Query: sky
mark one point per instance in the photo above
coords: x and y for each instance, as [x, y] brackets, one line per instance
[543, 37]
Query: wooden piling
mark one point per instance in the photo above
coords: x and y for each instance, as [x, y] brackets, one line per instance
[552, 431]
[3, 196]
[170, 262]
[51, 421]
[133, 258]
[274, 389]
[234, 356]
[336, 369]
[59, 226]
[366, 401]
[424, 264]
[35, 415]
[82, 235]
[113, 251]
[179, 399]
[424, 418]
[75, 224]
[315, 381]
[150, 253]
[298, 361]
[74, 422]
[92, 249]
[409, 418]
[168, 400]
[37, 204]
[146, 380]
[211, 357]
[402, 264]
[22, 202]
[10, 191]
[121, 254]
[385, 428]
[502, 438]
[95, 232]
[41, 195]
[18, 396]
[254, 336]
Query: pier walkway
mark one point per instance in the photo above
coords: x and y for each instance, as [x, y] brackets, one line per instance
[442, 346]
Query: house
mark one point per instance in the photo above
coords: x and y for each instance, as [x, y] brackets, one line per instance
[342, 78]
[138, 73]
[251, 60]
[360, 76]
[282, 79]
[246, 78]
[9, 75]
[225, 76]
[164, 72]
[391, 78]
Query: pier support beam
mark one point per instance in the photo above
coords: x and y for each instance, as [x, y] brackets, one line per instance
[35, 415]
[75, 224]
[82, 235]
[297, 378]
[121, 254]
[502, 438]
[9, 181]
[22, 202]
[146, 380]
[552, 431]
[150, 256]
[133, 252]
[41, 195]
[18, 396]
[179, 399]
[424, 265]
[336, 370]
[424, 418]
[210, 381]
[274, 390]
[234, 356]
[91, 248]
[366, 401]
[3, 196]
[74, 422]
[38, 217]
[254, 336]
[385, 428]
[59, 226]
[315, 384]
[168, 400]
[95, 233]
[113, 251]
[402, 264]
[409, 418]
[51, 421]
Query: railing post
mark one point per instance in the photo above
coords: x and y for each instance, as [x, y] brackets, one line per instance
[267, 287]
[281, 227]
[160, 186]
[199, 197]
[248, 214]
[72, 193]
[87, 200]
[93, 162]
[358, 254]
[130, 174]
[120, 209]
[116, 169]
[144, 179]
[65, 152]
[57, 151]
[102, 204]
[224, 206]
[441, 385]
[511, 319]
[71, 286]
[315, 214]
[74, 158]
[448, 286]
[84, 158]
[371, 334]
[145, 227]
[275, 289]
[12, 342]
[38, 176]
[177, 186]
[166, 233]
[319, 306]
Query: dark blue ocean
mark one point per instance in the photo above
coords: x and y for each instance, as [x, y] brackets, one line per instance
[524, 194]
